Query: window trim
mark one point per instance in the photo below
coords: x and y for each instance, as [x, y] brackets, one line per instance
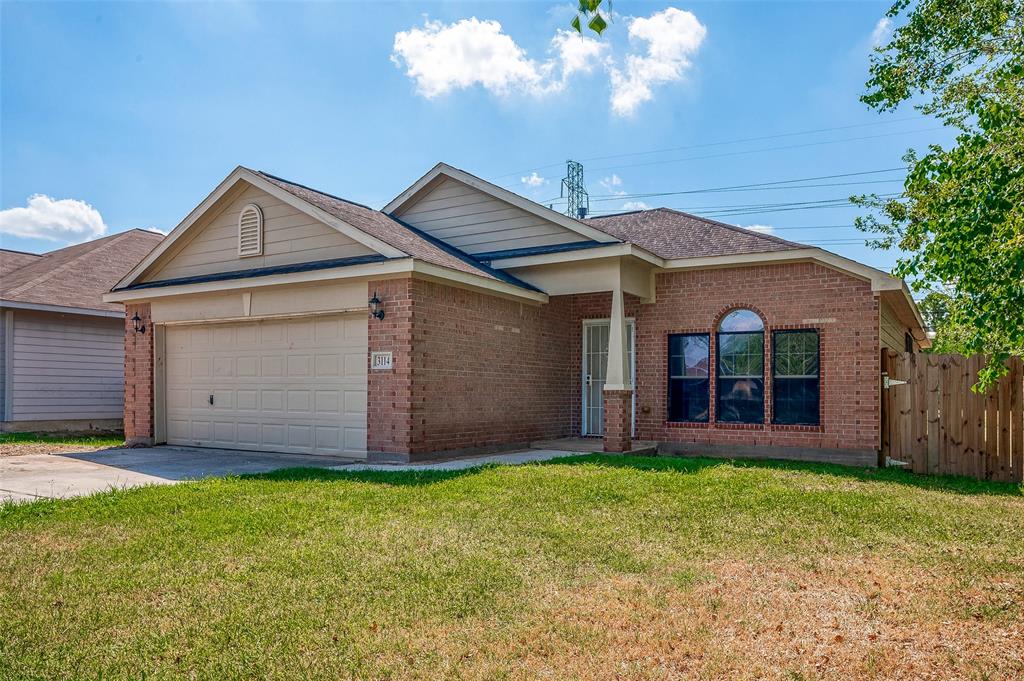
[669, 378]
[718, 376]
[775, 377]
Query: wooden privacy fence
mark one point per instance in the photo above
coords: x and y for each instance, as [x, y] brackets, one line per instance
[938, 425]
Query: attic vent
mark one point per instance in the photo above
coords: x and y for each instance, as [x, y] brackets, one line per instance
[250, 231]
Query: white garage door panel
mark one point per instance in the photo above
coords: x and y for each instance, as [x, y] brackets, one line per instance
[293, 386]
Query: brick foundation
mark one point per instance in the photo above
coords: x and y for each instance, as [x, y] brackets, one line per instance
[618, 422]
[138, 378]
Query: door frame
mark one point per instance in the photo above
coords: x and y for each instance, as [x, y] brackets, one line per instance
[631, 332]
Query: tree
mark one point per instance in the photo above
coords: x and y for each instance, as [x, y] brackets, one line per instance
[961, 214]
[589, 13]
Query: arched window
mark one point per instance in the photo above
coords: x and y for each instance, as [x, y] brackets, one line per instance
[740, 368]
[250, 231]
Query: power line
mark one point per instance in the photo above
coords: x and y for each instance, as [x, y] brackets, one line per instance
[722, 143]
[758, 151]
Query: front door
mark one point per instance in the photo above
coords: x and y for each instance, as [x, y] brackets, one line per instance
[595, 368]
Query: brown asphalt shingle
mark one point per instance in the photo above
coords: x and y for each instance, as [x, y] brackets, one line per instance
[389, 230]
[673, 234]
[13, 260]
[78, 276]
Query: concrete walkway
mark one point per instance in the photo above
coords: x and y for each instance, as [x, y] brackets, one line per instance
[42, 476]
[509, 458]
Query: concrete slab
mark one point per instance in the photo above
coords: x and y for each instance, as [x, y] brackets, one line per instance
[508, 458]
[23, 478]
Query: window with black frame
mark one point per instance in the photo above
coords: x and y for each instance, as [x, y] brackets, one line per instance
[796, 383]
[689, 357]
[740, 374]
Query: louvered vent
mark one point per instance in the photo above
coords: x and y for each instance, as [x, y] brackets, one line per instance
[250, 231]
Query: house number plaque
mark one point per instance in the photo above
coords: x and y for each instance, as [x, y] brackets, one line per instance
[380, 361]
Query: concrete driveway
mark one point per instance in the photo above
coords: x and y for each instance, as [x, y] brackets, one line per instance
[37, 476]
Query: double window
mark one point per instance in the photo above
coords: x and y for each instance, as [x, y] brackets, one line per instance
[740, 374]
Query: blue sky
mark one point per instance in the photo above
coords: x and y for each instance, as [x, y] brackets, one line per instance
[140, 109]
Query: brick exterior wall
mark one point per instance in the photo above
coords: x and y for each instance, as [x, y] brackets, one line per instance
[472, 371]
[138, 378]
[841, 308]
[618, 407]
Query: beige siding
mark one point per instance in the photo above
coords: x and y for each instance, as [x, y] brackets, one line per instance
[289, 237]
[476, 222]
[891, 331]
[66, 367]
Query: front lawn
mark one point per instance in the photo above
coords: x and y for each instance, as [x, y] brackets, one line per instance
[603, 567]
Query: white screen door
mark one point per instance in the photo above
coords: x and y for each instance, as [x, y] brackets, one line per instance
[595, 368]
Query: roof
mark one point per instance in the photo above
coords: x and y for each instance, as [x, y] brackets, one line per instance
[12, 260]
[78, 276]
[672, 234]
[394, 232]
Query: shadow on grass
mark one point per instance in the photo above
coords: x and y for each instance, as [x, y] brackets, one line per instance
[674, 464]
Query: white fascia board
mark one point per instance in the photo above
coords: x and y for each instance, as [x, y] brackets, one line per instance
[38, 307]
[598, 252]
[240, 174]
[581, 228]
[370, 270]
[388, 268]
[478, 282]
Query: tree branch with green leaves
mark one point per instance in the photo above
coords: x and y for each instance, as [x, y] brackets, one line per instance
[960, 217]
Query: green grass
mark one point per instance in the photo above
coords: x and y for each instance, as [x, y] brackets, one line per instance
[41, 439]
[560, 569]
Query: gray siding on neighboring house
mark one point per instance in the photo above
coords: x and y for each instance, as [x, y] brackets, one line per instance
[66, 367]
[3, 364]
[471, 220]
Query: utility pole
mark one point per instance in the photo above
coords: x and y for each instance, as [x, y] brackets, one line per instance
[572, 187]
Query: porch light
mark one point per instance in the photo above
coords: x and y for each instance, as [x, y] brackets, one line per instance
[376, 310]
[137, 321]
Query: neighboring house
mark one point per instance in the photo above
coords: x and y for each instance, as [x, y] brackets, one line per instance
[61, 345]
[499, 322]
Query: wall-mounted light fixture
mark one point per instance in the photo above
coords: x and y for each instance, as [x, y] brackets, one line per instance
[139, 326]
[376, 309]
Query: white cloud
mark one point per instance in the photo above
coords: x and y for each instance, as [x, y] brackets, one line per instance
[764, 229]
[673, 36]
[611, 183]
[881, 32]
[635, 205]
[577, 53]
[533, 180]
[441, 58]
[63, 220]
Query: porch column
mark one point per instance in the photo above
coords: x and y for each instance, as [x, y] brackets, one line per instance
[618, 391]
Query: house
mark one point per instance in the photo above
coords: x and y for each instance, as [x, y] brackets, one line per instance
[493, 322]
[61, 345]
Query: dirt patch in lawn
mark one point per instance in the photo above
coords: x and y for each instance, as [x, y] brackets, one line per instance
[738, 620]
[8, 449]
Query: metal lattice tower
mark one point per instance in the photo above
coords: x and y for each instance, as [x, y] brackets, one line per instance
[572, 187]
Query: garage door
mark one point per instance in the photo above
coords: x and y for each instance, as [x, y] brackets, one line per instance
[296, 385]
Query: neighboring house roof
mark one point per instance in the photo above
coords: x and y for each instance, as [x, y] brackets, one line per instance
[12, 260]
[672, 234]
[78, 276]
[393, 231]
